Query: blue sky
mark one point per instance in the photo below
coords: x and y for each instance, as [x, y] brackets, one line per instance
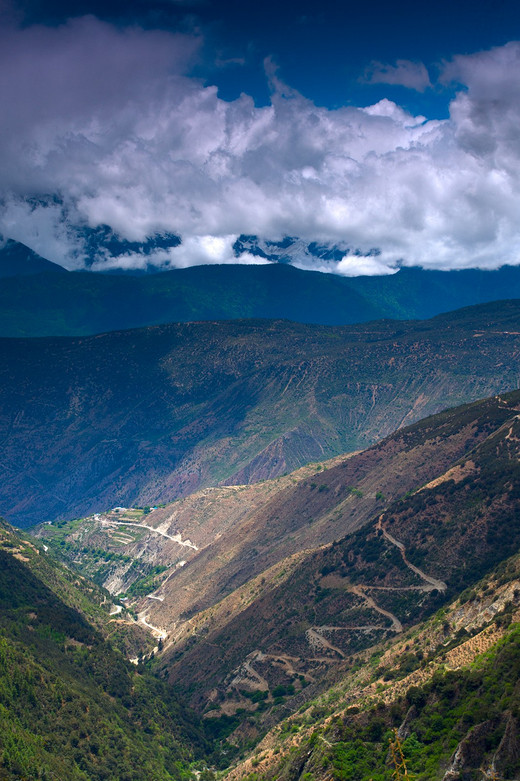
[387, 129]
[323, 48]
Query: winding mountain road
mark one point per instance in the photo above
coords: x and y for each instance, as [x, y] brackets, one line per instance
[176, 538]
[435, 583]
[396, 624]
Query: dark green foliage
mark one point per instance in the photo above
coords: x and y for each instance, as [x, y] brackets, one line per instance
[476, 706]
[85, 303]
[147, 582]
[71, 707]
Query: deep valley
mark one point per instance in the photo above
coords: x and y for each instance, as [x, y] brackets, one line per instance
[284, 557]
[288, 585]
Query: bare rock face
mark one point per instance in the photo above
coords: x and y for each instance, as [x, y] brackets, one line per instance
[507, 755]
[406, 728]
[469, 754]
[473, 752]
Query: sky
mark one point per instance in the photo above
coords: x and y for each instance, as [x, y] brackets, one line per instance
[388, 130]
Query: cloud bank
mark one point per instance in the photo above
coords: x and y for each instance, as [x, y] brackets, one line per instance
[102, 126]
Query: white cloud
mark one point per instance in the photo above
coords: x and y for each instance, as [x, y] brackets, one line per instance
[108, 122]
[371, 266]
[201, 250]
[404, 73]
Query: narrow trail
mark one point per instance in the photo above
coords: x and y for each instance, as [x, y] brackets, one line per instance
[246, 672]
[396, 624]
[316, 639]
[116, 610]
[437, 585]
[423, 587]
[176, 538]
[362, 627]
[288, 663]
[327, 742]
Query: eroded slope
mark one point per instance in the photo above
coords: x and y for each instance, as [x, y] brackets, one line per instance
[289, 623]
[143, 417]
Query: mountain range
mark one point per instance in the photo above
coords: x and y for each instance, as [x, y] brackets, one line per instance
[264, 549]
[145, 416]
[84, 303]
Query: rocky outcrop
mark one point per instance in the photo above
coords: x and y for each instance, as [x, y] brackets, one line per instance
[473, 752]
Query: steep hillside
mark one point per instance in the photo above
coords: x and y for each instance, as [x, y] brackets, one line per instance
[81, 303]
[17, 260]
[303, 595]
[280, 610]
[442, 699]
[72, 707]
[143, 417]
[325, 507]
[288, 580]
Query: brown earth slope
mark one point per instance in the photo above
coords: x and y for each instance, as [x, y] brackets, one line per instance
[120, 547]
[278, 603]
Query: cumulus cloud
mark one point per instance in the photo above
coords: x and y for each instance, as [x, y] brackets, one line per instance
[102, 126]
[194, 251]
[404, 73]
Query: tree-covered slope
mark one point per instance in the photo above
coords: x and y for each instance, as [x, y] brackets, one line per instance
[81, 303]
[72, 707]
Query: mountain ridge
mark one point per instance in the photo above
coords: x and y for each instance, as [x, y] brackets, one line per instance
[18, 260]
[142, 417]
[86, 303]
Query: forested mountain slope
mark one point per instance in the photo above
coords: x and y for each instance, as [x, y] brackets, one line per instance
[71, 706]
[82, 303]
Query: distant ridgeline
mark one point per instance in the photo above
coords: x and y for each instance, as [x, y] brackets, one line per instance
[35, 302]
